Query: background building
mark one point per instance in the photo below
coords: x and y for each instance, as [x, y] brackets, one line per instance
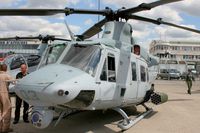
[177, 52]
[18, 47]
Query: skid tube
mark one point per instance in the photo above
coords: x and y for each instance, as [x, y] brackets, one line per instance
[127, 122]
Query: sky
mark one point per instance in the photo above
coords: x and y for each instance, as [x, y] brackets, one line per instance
[185, 12]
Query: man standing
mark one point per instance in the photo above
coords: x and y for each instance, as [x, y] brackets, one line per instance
[5, 104]
[19, 100]
[188, 80]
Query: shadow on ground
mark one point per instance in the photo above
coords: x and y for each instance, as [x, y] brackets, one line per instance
[179, 100]
[88, 121]
[196, 92]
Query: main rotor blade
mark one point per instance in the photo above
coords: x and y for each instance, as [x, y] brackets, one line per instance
[30, 12]
[47, 12]
[96, 28]
[22, 38]
[146, 6]
[181, 27]
[60, 39]
[40, 37]
[159, 21]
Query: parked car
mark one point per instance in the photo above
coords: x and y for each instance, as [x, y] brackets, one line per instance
[169, 74]
[195, 73]
[183, 75]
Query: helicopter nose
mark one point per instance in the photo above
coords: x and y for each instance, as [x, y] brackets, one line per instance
[44, 95]
[61, 85]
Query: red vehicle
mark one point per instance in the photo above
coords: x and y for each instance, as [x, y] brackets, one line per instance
[1, 59]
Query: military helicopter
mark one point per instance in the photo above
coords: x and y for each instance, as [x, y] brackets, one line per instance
[111, 72]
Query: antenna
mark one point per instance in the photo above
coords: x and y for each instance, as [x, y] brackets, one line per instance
[160, 34]
[70, 32]
[99, 6]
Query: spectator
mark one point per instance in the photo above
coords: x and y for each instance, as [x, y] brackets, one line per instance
[18, 104]
[5, 104]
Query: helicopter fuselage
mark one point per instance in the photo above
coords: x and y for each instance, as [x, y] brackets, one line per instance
[116, 82]
[86, 75]
[104, 78]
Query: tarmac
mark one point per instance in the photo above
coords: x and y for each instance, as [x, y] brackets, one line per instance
[181, 114]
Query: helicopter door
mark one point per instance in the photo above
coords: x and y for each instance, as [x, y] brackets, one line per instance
[123, 90]
[108, 78]
[134, 81]
[142, 84]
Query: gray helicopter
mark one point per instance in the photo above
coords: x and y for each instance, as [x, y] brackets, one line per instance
[111, 72]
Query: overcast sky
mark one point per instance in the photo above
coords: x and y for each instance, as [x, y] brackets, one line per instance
[184, 13]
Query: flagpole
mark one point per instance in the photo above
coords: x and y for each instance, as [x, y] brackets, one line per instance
[98, 15]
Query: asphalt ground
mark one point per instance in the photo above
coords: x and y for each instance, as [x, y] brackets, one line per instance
[181, 114]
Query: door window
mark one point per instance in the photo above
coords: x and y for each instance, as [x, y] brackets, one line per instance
[111, 68]
[147, 75]
[142, 73]
[103, 75]
[108, 71]
[134, 73]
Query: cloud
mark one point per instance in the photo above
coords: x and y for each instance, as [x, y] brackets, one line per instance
[167, 14]
[171, 33]
[50, 3]
[8, 3]
[138, 35]
[88, 22]
[139, 25]
[141, 31]
[91, 5]
[190, 7]
[124, 3]
[26, 26]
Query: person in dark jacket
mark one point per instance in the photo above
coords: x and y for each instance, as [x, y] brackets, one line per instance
[188, 80]
[18, 103]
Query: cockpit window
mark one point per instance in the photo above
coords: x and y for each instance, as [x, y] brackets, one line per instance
[15, 61]
[52, 54]
[85, 58]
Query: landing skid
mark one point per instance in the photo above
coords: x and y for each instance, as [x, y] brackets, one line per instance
[64, 114]
[127, 122]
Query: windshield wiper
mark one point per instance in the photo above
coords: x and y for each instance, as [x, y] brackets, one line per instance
[79, 46]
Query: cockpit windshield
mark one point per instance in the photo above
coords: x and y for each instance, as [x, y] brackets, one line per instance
[85, 58]
[52, 54]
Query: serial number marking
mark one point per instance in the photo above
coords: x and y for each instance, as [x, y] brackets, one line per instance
[29, 95]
